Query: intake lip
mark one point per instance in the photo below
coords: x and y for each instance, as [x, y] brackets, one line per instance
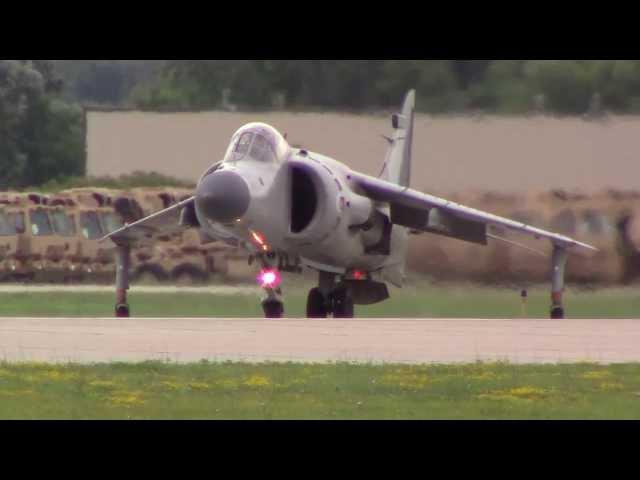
[223, 196]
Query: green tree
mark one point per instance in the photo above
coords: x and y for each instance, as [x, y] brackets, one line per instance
[40, 137]
[502, 86]
[566, 84]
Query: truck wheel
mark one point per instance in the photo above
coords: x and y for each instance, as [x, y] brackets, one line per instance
[189, 275]
[150, 274]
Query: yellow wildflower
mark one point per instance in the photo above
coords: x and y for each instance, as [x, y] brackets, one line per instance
[611, 387]
[518, 393]
[257, 381]
[596, 375]
[127, 399]
[198, 386]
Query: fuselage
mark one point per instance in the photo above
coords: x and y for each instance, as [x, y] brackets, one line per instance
[270, 198]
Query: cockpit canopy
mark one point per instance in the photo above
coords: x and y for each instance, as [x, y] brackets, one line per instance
[259, 142]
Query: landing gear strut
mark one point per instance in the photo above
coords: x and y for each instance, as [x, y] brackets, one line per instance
[559, 262]
[123, 264]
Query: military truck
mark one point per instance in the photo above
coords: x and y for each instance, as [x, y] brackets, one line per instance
[85, 216]
[55, 238]
[37, 252]
[180, 258]
[9, 212]
[591, 218]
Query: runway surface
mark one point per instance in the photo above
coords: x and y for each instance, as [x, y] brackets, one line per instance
[416, 341]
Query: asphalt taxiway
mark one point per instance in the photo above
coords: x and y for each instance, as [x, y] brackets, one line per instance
[408, 341]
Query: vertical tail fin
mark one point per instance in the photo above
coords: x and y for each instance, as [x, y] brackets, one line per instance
[397, 166]
[397, 169]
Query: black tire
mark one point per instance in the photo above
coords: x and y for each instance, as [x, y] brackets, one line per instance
[122, 311]
[189, 274]
[154, 271]
[557, 313]
[273, 309]
[316, 304]
[342, 303]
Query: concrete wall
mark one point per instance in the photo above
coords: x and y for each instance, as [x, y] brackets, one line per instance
[450, 153]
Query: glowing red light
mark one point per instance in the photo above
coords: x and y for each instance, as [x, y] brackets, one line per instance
[358, 275]
[269, 278]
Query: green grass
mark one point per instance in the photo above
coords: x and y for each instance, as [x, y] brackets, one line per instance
[335, 391]
[422, 300]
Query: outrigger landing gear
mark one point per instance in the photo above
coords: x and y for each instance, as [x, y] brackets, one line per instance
[559, 262]
[123, 264]
[330, 298]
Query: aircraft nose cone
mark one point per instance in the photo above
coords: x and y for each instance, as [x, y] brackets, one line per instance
[223, 197]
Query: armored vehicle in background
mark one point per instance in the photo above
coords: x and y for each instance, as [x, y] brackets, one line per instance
[55, 238]
[593, 218]
[33, 249]
[85, 216]
[181, 258]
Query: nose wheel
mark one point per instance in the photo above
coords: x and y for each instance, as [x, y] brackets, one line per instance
[273, 308]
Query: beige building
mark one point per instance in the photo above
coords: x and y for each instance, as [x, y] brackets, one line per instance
[450, 153]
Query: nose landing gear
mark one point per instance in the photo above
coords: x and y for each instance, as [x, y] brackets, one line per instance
[273, 308]
[269, 280]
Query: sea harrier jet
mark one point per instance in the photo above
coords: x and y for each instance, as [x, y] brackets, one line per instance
[292, 208]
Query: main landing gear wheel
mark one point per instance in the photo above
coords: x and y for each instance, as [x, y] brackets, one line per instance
[342, 304]
[273, 309]
[122, 311]
[557, 313]
[316, 304]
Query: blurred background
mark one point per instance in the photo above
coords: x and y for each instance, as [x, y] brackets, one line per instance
[87, 144]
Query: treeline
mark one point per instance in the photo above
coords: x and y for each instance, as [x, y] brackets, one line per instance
[105, 82]
[566, 87]
[41, 122]
[41, 135]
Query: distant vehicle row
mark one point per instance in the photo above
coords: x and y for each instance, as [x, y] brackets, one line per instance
[55, 238]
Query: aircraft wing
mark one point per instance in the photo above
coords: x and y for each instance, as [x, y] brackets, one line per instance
[427, 213]
[164, 222]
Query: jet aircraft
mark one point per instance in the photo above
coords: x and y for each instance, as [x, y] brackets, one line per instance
[292, 208]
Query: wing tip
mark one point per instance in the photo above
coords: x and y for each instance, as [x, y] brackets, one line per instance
[586, 246]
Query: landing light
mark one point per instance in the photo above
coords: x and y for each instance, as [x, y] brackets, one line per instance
[269, 278]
